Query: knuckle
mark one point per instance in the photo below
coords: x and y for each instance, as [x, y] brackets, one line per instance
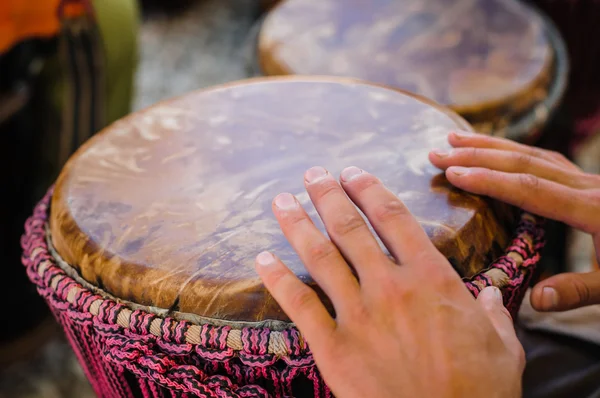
[347, 224]
[523, 160]
[529, 182]
[473, 152]
[390, 210]
[334, 350]
[582, 290]
[320, 251]
[536, 152]
[325, 189]
[435, 269]
[390, 291]
[520, 356]
[294, 218]
[446, 280]
[594, 181]
[365, 182]
[302, 298]
[594, 196]
[276, 276]
[557, 155]
[359, 313]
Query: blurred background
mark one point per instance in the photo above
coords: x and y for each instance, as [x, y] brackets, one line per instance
[154, 50]
[63, 79]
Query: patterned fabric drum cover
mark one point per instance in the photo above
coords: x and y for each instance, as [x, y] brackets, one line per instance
[145, 247]
[498, 63]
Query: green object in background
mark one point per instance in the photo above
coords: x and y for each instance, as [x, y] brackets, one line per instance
[119, 23]
[66, 103]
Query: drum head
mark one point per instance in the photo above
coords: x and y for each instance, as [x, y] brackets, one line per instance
[485, 59]
[169, 206]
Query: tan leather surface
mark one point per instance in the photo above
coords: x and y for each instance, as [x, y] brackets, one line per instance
[169, 206]
[483, 58]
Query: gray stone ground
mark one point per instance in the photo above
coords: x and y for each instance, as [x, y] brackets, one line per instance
[208, 44]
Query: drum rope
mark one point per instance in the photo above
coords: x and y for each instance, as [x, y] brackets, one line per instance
[114, 342]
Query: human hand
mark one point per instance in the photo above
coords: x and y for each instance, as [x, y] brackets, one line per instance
[540, 182]
[405, 330]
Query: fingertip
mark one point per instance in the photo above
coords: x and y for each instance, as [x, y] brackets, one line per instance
[351, 173]
[315, 174]
[285, 202]
[545, 298]
[265, 259]
[436, 157]
[458, 136]
[354, 179]
[490, 296]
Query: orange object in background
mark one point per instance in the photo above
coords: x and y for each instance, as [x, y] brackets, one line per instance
[23, 19]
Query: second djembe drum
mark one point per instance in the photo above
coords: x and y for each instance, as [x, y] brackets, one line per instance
[498, 63]
[145, 247]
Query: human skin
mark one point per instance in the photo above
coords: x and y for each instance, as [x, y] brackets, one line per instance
[405, 326]
[538, 181]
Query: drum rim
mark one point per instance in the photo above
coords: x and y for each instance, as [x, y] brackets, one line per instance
[511, 272]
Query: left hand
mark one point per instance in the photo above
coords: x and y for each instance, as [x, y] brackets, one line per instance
[407, 327]
[538, 181]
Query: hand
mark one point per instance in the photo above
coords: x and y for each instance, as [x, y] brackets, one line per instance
[540, 182]
[405, 330]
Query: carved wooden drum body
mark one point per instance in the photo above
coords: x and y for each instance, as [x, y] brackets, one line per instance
[498, 63]
[144, 249]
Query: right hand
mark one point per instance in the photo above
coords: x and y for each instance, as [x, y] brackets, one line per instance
[403, 326]
[540, 182]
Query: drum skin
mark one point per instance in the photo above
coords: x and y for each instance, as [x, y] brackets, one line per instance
[169, 206]
[488, 60]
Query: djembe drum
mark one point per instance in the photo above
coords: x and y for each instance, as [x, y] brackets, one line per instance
[498, 63]
[145, 247]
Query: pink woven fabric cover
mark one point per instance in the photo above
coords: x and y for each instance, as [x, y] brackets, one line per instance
[132, 361]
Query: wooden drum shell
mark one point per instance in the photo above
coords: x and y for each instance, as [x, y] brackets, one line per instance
[100, 259]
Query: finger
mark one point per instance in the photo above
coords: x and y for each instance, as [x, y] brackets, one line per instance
[344, 224]
[491, 301]
[530, 193]
[296, 299]
[566, 291]
[398, 229]
[508, 162]
[465, 139]
[596, 239]
[318, 254]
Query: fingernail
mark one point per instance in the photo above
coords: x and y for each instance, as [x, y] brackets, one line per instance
[492, 293]
[549, 298]
[265, 258]
[461, 134]
[286, 201]
[440, 153]
[314, 174]
[350, 173]
[459, 171]
[497, 294]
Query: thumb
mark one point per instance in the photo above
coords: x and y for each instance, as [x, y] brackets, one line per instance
[566, 291]
[491, 301]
